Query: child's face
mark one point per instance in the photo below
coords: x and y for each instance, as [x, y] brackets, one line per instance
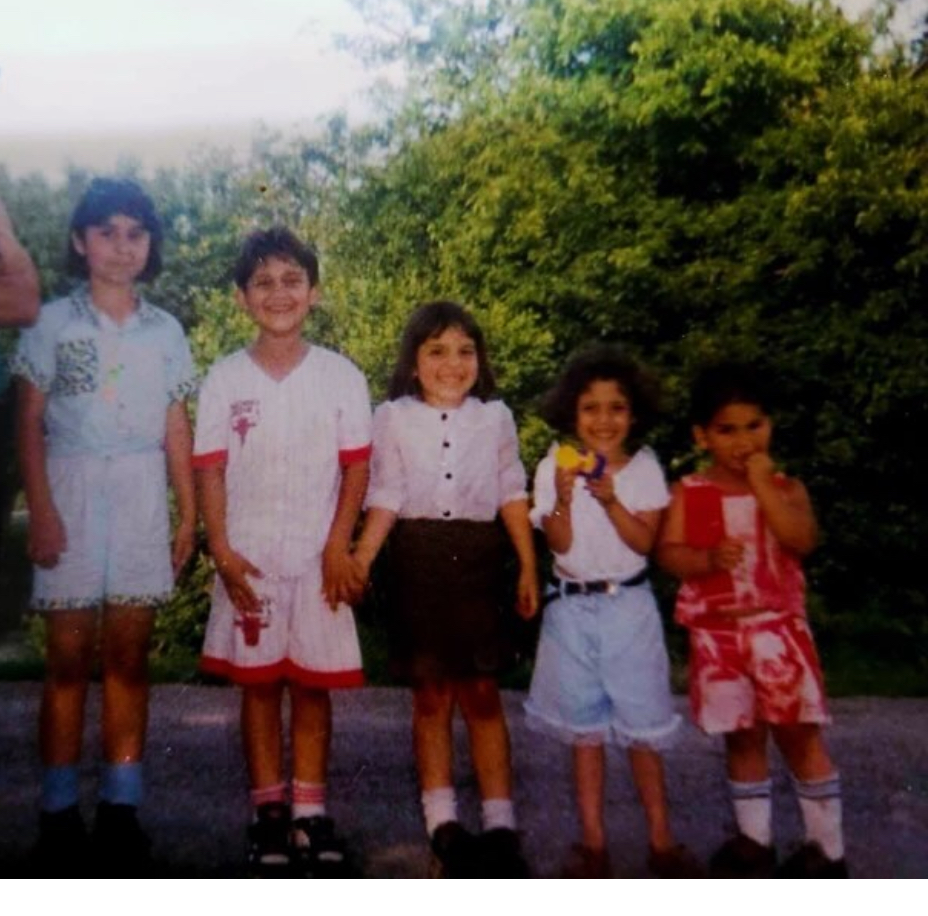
[447, 367]
[736, 432]
[278, 296]
[116, 251]
[604, 418]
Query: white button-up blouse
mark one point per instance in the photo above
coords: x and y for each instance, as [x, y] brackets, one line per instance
[440, 463]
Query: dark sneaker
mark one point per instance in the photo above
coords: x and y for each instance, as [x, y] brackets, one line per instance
[742, 857]
[120, 846]
[501, 854]
[315, 850]
[269, 842]
[676, 862]
[810, 862]
[455, 852]
[584, 862]
[61, 851]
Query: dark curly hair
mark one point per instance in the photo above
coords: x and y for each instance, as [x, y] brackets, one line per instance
[431, 319]
[276, 242]
[106, 197]
[729, 382]
[603, 363]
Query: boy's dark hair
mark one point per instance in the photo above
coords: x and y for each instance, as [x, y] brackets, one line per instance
[602, 363]
[432, 319]
[276, 242]
[723, 383]
[106, 197]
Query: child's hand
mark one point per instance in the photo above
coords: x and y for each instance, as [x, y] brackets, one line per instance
[602, 489]
[726, 556]
[235, 570]
[182, 548]
[564, 479]
[527, 599]
[340, 581]
[759, 469]
[47, 538]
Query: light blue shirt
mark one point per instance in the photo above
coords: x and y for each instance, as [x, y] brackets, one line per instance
[108, 386]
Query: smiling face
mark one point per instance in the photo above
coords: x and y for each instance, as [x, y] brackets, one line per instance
[604, 419]
[446, 368]
[734, 433]
[278, 296]
[116, 251]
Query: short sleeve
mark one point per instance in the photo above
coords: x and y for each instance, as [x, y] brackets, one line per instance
[354, 419]
[387, 489]
[180, 377]
[511, 471]
[210, 441]
[646, 489]
[544, 495]
[34, 358]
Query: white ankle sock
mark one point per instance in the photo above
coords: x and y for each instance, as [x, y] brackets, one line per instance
[820, 803]
[438, 807]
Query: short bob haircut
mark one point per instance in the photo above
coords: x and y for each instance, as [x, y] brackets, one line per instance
[720, 384]
[429, 320]
[107, 197]
[602, 363]
[276, 242]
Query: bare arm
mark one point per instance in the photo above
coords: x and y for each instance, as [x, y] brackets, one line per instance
[231, 566]
[557, 524]
[637, 529]
[19, 281]
[339, 576]
[519, 527]
[178, 447]
[685, 562]
[47, 536]
[787, 508]
[377, 526]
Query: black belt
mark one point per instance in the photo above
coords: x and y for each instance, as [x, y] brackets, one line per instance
[599, 586]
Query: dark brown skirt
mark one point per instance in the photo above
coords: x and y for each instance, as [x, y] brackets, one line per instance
[447, 596]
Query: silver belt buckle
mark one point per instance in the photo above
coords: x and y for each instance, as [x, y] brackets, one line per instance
[612, 588]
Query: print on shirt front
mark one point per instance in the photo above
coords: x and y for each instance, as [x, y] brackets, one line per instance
[245, 416]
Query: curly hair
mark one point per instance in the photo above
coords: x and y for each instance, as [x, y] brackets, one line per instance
[728, 382]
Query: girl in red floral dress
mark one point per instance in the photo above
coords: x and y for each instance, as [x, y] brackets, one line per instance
[735, 534]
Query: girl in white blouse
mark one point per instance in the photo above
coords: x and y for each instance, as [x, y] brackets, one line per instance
[445, 465]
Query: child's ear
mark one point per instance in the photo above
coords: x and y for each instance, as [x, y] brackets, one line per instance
[77, 240]
[699, 437]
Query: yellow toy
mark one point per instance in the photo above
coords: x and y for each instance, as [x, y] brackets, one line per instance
[586, 463]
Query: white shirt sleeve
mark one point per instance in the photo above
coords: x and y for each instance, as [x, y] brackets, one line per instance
[644, 488]
[387, 488]
[544, 495]
[511, 471]
[211, 442]
[354, 414]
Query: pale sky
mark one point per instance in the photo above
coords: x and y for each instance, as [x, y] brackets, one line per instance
[86, 80]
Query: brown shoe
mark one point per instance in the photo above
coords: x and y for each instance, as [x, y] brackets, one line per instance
[676, 862]
[584, 862]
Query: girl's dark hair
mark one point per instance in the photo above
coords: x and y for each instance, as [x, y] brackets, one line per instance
[429, 320]
[106, 197]
[720, 384]
[602, 363]
[276, 242]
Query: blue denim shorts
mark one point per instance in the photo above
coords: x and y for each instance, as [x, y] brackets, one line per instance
[602, 672]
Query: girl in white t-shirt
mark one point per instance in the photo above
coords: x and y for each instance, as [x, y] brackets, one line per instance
[601, 671]
[445, 465]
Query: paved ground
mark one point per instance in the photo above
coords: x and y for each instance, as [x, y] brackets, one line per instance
[195, 807]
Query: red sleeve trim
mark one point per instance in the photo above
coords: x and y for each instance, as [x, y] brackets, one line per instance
[284, 670]
[348, 456]
[210, 459]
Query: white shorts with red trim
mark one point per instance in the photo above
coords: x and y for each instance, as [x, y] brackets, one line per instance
[297, 636]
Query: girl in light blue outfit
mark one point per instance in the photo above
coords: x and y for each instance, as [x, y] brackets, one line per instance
[103, 378]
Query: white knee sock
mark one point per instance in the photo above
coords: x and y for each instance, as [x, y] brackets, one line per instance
[820, 803]
[752, 804]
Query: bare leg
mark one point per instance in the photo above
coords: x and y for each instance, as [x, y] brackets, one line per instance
[482, 709]
[590, 781]
[311, 733]
[746, 754]
[648, 775]
[432, 708]
[803, 748]
[262, 734]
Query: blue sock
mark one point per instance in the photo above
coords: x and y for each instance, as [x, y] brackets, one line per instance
[122, 783]
[59, 787]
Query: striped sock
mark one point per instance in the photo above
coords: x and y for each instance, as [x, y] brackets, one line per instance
[308, 798]
[438, 807]
[820, 803]
[265, 795]
[752, 804]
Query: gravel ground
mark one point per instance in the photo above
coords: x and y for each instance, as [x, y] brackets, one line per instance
[195, 808]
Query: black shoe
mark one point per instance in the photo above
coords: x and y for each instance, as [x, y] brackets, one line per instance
[269, 842]
[61, 851]
[501, 854]
[742, 857]
[455, 852]
[810, 862]
[315, 850]
[121, 848]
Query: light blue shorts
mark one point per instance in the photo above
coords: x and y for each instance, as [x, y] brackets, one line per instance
[115, 516]
[602, 673]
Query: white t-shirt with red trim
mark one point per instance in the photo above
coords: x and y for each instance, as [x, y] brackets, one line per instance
[282, 443]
